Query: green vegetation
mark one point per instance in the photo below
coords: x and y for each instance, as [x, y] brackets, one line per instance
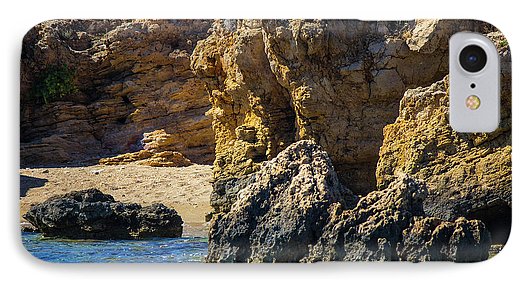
[54, 82]
[504, 43]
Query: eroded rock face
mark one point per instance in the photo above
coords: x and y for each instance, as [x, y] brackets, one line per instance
[371, 230]
[388, 225]
[281, 211]
[273, 82]
[149, 158]
[133, 79]
[90, 214]
[431, 239]
[468, 175]
[294, 209]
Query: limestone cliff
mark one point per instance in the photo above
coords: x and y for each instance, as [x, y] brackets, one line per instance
[273, 82]
[132, 78]
[467, 174]
[350, 87]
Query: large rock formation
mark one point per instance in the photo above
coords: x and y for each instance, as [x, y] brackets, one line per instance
[336, 82]
[467, 174]
[440, 195]
[294, 209]
[132, 79]
[389, 225]
[282, 209]
[90, 214]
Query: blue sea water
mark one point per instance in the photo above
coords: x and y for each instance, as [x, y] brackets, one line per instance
[183, 249]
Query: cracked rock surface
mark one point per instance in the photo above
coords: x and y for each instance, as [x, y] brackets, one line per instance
[91, 214]
[133, 79]
[375, 101]
[294, 209]
[336, 82]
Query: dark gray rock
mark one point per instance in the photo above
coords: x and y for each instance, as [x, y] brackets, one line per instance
[431, 239]
[388, 225]
[371, 230]
[281, 212]
[90, 214]
[295, 210]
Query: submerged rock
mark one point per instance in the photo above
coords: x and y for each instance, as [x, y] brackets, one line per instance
[91, 214]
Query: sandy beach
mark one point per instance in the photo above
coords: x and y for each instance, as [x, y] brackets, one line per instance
[186, 189]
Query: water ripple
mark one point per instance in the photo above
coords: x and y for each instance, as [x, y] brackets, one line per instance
[184, 249]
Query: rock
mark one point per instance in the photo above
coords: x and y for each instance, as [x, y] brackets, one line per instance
[208, 216]
[90, 214]
[372, 95]
[431, 239]
[373, 229]
[337, 82]
[27, 227]
[467, 175]
[158, 151]
[295, 210]
[133, 79]
[149, 158]
[281, 212]
[428, 35]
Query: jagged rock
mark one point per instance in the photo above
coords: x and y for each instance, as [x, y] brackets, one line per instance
[337, 82]
[371, 230]
[294, 209]
[388, 225]
[468, 175]
[281, 212]
[90, 214]
[133, 78]
[431, 239]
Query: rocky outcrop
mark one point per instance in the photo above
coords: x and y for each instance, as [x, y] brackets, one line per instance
[294, 209]
[431, 239]
[280, 212]
[90, 214]
[149, 158]
[467, 175]
[373, 229]
[132, 80]
[343, 89]
[337, 82]
[388, 225]
[302, 111]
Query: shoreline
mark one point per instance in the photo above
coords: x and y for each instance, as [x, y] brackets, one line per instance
[185, 189]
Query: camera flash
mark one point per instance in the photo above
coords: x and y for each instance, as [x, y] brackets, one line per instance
[473, 102]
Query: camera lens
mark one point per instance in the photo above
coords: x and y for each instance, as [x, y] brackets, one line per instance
[473, 58]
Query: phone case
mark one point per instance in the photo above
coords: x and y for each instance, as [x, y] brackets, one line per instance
[255, 141]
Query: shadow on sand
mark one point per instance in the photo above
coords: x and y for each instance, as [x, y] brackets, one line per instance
[27, 183]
